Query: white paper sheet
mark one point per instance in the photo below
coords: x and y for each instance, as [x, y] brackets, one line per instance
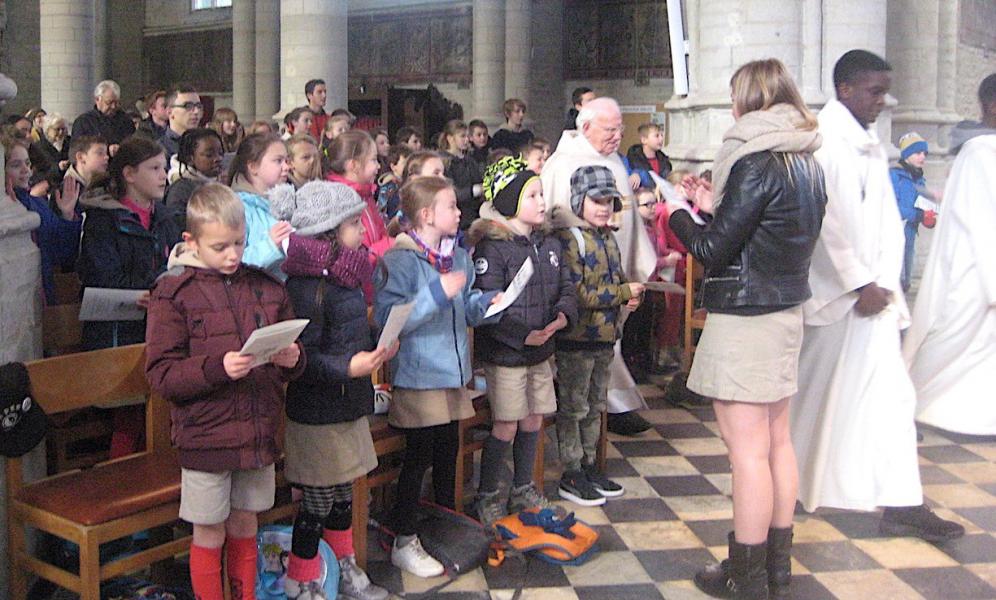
[672, 197]
[267, 341]
[110, 304]
[924, 203]
[514, 289]
[396, 320]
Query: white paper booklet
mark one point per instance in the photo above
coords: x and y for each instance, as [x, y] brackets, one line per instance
[924, 203]
[267, 341]
[110, 304]
[514, 289]
[396, 320]
[672, 197]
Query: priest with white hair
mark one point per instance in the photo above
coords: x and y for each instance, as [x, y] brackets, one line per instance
[596, 142]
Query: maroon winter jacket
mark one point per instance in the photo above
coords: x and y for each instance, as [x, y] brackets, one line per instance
[196, 315]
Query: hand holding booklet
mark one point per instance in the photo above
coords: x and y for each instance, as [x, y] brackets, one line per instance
[264, 342]
[515, 288]
[108, 304]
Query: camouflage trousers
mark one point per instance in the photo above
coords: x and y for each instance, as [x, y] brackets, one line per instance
[583, 382]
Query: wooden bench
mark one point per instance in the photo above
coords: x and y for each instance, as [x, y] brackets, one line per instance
[111, 500]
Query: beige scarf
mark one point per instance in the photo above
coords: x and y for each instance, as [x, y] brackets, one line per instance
[775, 129]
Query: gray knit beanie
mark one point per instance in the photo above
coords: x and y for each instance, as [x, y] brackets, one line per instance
[316, 207]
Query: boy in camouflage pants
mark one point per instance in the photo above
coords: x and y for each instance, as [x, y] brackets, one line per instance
[585, 351]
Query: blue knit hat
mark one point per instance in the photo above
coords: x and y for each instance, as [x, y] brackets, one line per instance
[910, 144]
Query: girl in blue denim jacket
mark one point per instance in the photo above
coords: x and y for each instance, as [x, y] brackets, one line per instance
[432, 368]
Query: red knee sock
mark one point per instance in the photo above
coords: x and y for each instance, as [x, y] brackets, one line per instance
[341, 541]
[241, 555]
[205, 572]
[304, 569]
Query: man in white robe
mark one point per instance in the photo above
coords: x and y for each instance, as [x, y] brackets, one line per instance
[951, 346]
[596, 142]
[852, 421]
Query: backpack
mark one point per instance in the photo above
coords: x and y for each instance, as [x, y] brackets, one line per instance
[566, 541]
[274, 544]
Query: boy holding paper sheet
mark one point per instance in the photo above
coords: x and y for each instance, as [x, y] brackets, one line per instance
[225, 412]
[515, 351]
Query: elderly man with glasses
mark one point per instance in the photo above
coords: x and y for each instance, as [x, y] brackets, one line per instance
[106, 120]
[596, 142]
[185, 112]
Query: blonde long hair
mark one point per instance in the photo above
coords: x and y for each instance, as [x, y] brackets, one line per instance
[761, 84]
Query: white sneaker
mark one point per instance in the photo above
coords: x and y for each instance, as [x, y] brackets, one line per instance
[411, 556]
[303, 590]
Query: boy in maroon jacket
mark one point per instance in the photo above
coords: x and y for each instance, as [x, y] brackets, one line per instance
[225, 412]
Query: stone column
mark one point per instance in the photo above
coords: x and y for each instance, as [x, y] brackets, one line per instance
[267, 58]
[67, 56]
[518, 49]
[724, 34]
[489, 60]
[313, 45]
[244, 59]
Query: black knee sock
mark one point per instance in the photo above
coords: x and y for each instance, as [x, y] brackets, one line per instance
[418, 456]
[524, 457]
[492, 457]
[446, 444]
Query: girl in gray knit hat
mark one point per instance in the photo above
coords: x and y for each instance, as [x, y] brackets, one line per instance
[327, 437]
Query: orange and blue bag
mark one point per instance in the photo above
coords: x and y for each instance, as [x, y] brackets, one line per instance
[564, 541]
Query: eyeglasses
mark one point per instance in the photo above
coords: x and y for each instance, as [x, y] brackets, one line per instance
[651, 203]
[189, 106]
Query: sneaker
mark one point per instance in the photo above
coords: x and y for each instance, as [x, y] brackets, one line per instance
[527, 497]
[627, 423]
[354, 583]
[489, 508]
[574, 486]
[408, 554]
[918, 521]
[303, 590]
[604, 485]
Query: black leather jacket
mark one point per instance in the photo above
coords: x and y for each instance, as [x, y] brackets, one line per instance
[756, 250]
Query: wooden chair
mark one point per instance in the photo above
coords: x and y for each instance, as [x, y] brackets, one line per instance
[694, 318]
[109, 501]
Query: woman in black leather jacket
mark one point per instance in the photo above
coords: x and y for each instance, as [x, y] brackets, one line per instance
[767, 200]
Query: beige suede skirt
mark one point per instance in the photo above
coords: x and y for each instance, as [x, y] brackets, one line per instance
[325, 455]
[748, 359]
[425, 408]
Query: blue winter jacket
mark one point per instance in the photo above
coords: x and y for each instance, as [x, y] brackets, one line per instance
[58, 240]
[260, 250]
[434, 351]
[905, 188]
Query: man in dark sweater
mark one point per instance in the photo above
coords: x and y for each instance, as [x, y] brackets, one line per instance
[106, 119]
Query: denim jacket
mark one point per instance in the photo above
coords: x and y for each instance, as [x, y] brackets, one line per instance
[434, 351]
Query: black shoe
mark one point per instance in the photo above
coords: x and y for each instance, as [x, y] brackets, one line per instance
[743, 576]
[918, 521]
[779, 563]
[627, 423]
[605, 486]
[574, 486]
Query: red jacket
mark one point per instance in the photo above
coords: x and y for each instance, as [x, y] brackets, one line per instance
[196, 315]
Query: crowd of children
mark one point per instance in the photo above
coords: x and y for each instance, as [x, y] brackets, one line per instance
[245, 227]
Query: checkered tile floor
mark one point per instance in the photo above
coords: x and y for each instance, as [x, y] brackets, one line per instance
[676, 513]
